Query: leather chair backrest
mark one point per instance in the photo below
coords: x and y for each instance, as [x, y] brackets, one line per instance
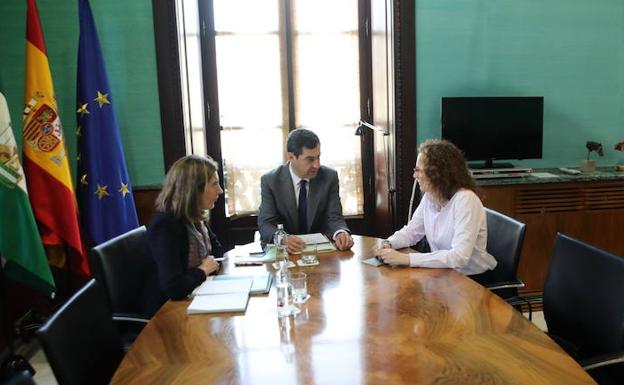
[21, 378]
[81, 341]
[584, 297]
[120, 266]
[504, 242]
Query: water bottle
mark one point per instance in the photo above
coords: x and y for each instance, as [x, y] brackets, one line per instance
[281, 248]
[284, 292]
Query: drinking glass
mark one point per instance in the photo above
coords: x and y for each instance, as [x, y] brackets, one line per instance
[309, 255]
[299, 287]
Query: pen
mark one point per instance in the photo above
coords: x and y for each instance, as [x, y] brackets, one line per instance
[248, 263]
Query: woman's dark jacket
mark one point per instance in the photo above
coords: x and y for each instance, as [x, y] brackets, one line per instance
[167, 253]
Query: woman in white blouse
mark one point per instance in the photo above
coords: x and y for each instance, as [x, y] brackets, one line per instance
[450, 214]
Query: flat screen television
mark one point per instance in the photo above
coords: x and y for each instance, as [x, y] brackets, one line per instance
[494, 127]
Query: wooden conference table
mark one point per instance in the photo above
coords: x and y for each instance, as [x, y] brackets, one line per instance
[362, 325]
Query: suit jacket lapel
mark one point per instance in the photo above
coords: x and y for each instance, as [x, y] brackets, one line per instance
[287, 192]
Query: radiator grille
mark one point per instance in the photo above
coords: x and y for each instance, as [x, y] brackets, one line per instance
[569, 199]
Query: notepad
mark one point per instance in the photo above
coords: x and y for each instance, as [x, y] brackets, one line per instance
[321, 247]
[312, 239]
[218, 303]
[212, 286]
[220, 296]
[261, 282]
[318, 241]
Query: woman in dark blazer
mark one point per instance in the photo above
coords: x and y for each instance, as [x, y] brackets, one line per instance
[181, 245]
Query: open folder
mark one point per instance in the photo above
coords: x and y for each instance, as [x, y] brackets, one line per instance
[220, 296]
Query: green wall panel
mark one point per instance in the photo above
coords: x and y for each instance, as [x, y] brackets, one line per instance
[569, 51]
[126, 35]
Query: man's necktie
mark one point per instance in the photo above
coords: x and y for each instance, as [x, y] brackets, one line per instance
[303, 207]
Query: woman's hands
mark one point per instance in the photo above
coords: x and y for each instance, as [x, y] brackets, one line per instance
[388, 255]
[393, 257]
[209, 265]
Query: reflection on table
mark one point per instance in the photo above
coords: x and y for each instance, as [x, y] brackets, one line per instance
[362, 325]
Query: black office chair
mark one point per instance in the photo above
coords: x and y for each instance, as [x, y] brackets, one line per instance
[504, 242]
[120, 266]
[81, 341]
[584, 307]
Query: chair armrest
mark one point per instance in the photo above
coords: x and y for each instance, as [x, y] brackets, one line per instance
[505, 285]
[528, 300]
[131, 318]
[516, 301]
[602, 360]
[129, 327]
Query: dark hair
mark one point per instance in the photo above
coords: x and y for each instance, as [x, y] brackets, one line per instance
[300, 138]
[184, 181]
[445, 167]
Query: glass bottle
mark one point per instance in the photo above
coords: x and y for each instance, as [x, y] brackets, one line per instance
[281, 248]
[284, 291]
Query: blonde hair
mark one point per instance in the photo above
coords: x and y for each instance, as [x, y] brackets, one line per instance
[186, 179]
[445, 167]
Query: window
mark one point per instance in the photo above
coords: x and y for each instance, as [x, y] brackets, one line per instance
[387, 50]
[283, 64]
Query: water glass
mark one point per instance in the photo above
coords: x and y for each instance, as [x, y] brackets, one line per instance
[309, 255]
[299, 287]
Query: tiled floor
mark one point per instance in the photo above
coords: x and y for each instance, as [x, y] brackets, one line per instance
[44, 375]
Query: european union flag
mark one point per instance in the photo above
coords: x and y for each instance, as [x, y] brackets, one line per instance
[104, 191]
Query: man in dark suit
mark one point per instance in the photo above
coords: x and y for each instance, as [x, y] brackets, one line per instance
[302, 195]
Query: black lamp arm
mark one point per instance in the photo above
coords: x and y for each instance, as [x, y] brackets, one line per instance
[360, 128]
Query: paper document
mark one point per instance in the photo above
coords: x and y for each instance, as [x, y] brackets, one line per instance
[214, 286]
[312, 239]
[268, 256]
[373, 262]
[320, 241]
[250, 249]
[261, 282]
[218, 303]
[320, 248]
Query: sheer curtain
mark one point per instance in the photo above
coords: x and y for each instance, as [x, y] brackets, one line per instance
[254, 70]
[327, 88]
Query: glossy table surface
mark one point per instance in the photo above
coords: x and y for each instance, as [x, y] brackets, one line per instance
[362, 325]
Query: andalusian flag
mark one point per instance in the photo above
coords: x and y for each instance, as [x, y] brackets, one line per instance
[23, 258]
[104, 191]
[45, 158]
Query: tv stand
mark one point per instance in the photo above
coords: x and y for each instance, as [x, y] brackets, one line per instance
[489, 164]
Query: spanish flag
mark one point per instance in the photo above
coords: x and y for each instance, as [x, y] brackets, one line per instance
[45, 159]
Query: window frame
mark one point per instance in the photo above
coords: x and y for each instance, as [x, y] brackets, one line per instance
[236, 230]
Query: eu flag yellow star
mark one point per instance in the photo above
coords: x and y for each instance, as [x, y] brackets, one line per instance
[101, 191]
[101, 99]
[83, 109]
[124, 189]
